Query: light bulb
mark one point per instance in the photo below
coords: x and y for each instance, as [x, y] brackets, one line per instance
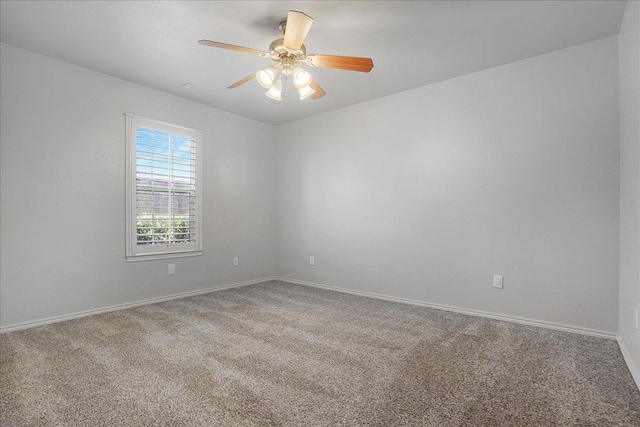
[301, 78]
[305, 92]
[265, 77]
[275, 91]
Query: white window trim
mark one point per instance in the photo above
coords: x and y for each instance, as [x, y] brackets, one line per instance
[133, 253]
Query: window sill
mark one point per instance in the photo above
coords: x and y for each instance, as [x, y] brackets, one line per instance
[166, 255]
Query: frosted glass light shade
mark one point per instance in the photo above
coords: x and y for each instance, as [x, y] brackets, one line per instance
[265, 77]
[275, 91]
[301, 78]
[305, 92]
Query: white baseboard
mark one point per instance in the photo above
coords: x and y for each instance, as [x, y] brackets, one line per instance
[635, 372]
[506, 318]
[55, 319]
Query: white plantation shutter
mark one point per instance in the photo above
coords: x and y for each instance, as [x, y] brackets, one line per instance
[165, 187]
[164, 203]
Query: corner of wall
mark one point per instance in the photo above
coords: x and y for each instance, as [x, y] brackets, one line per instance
[629, 267]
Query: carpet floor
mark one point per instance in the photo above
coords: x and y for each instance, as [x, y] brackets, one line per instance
[279, 354]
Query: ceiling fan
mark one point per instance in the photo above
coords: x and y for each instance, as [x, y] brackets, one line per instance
[290, 52]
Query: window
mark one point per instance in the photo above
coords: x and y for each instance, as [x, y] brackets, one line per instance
[163, 190]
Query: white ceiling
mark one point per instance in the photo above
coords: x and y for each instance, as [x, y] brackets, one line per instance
[412, 43]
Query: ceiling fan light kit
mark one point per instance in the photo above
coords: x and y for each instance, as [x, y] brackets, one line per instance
[288, 52]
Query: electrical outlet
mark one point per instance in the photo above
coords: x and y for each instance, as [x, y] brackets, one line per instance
[497, 281]
[235, 260]
[312, 260]
[172, 269]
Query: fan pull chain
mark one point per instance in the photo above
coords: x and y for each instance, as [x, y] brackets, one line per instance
[286, 85]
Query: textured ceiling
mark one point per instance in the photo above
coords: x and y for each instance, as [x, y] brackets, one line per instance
[412, 43]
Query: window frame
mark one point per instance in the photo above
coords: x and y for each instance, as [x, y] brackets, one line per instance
[135, 252]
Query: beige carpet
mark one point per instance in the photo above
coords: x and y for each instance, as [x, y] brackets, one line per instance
[283, 354]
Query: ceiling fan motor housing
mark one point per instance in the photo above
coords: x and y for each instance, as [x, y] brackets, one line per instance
[277, 51]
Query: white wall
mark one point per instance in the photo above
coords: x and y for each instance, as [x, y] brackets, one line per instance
[426, 194]
[62, 192]
[629, 39]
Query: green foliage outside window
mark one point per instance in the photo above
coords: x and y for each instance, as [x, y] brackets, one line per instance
[159, 229]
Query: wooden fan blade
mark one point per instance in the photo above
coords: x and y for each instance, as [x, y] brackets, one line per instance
[319, 92]
[351, 63]
[233, 47]
[298, 25]
[243, 81]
